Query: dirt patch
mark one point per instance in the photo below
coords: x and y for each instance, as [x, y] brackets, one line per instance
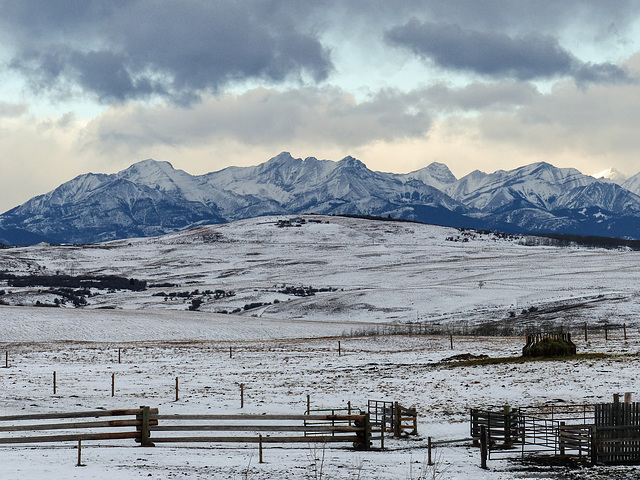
[464, 356]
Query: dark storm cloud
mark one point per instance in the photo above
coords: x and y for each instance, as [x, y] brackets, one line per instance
[525, 57]
[135, 48]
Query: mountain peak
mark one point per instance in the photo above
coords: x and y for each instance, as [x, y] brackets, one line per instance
[150, 165]
[282, 157]
[351, 162]
[611, 175]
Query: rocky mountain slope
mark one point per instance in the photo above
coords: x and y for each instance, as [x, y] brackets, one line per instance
[152, 198]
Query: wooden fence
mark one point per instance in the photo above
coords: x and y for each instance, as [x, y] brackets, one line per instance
[617, 445]
[145, 422]
[617, 413]
[72, 427]
[354, 429]
[503, 427]
[606, 434]
[393, 417]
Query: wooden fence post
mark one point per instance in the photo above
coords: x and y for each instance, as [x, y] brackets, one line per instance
[624, 327]
[260, 447]
[308, 404]
[484, 446]
[397, 420]
[79, 454]
[113, 384]
[364, 435]
[507, 425]
[145, 414]
[339, 348]
[586, 339]
[176, 389]
[382, 425]
[119, 356]
[451, 340]
[242, 395]
[594, 446]
[561, 440]
[627, 397]
[54, 382]
[230, 351]
[430, 460]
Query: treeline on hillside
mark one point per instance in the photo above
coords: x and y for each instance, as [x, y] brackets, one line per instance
[567, 240]
[554, 239]
[109, 282]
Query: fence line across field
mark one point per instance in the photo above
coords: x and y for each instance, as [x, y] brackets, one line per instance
[144, 423]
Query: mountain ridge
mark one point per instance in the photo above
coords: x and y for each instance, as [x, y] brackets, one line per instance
[153, 198]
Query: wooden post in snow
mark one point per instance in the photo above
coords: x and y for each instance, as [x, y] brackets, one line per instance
[79, 454]
[484, 446]
[586, 339]
[113, 384]
[54, 383]
[177, 389]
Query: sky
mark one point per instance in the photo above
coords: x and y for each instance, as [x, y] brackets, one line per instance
[94, 86]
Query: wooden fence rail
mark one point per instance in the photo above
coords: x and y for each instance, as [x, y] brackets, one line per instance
[77, 428]
[146, 421]
[355, 429]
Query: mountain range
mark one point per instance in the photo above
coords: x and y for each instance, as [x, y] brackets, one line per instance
[153, 198]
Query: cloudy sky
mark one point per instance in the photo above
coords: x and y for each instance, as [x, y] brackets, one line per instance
[88, 85]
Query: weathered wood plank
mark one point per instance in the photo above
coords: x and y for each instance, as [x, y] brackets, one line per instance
[93, 413]
[261, 417]
[256, 439]
[257, 428]
[71, 437]
[71, 425]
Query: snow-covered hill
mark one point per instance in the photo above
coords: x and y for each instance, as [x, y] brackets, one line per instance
[342, 270]
[152, 198]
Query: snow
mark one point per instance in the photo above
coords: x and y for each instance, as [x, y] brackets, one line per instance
[381, 273]
[611, 175]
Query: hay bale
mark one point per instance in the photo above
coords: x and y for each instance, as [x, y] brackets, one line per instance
[550, 347]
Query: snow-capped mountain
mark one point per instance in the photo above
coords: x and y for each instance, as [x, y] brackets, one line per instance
[153, 198]
[611, 175]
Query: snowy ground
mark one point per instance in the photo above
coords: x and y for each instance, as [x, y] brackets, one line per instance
[380, 272]
[278, 375]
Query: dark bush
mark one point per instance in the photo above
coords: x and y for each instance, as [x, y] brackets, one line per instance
[195, 304]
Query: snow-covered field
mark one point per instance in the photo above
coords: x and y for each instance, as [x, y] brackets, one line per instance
[378, 272]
